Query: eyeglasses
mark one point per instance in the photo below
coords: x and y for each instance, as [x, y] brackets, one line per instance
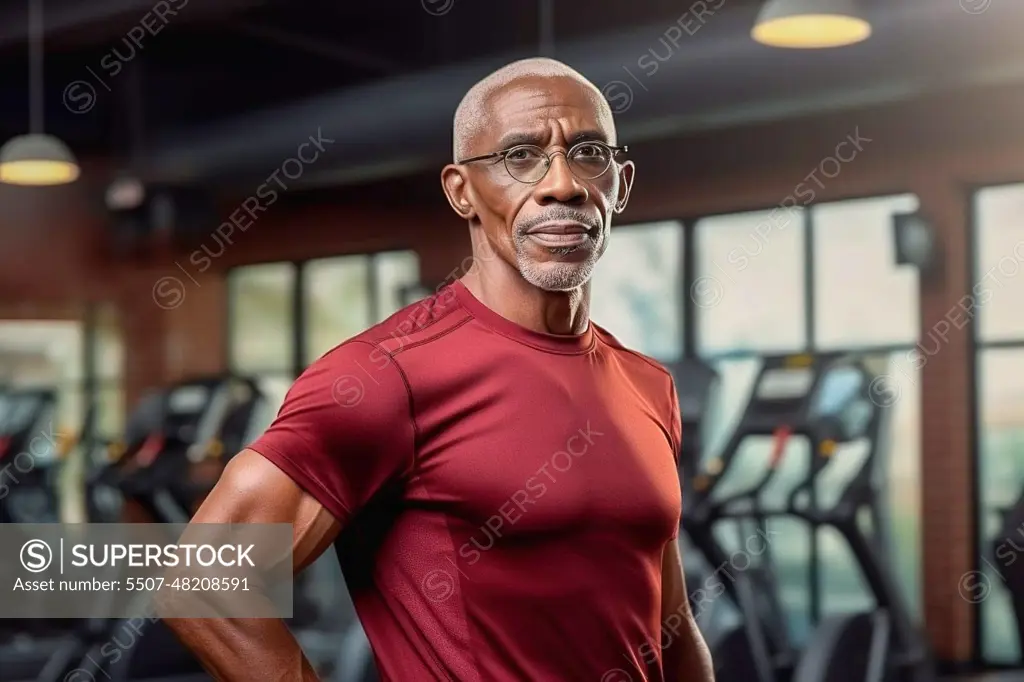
[529, 163]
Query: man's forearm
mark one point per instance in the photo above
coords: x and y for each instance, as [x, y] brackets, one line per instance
[688, 658]
[245, 649]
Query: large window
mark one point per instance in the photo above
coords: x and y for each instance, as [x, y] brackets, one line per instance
[82, 360]
[344, 296]
[821, 278]
[337, 297]
[860, 297]
[108, 367]
[637, 289]
[286, 315]
[1001, 479]
[48, 354]
[999, 284]
[749, 285]
[998, 289]
[262, 320]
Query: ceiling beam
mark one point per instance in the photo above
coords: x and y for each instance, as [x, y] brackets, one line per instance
[60, 16]
[320, 48]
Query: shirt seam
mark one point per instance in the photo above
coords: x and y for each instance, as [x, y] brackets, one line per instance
[414, 465]
[257, 446]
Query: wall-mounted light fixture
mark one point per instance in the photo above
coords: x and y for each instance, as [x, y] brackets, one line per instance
[916, 243]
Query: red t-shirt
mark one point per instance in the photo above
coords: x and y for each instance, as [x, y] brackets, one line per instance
[505, 494]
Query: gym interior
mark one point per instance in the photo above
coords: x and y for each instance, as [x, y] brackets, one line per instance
[824, 245]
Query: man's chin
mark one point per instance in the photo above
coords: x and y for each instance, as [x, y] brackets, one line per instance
[557, 275]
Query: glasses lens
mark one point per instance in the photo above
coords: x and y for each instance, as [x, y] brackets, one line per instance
[589, 160]
[526, 164]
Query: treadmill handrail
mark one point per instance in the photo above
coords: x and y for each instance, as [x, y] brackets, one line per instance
[782, 436]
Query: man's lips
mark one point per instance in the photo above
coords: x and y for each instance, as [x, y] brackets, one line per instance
[560, 228]
[561, 234]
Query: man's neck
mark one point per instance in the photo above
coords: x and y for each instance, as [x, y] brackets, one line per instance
[503, 290]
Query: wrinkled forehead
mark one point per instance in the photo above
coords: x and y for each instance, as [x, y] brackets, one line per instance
[544, 110]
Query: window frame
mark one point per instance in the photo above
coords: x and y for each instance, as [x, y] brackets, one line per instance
[92, 382]
[686, 304]
[976, 347]
[298, 361]
[691, 312]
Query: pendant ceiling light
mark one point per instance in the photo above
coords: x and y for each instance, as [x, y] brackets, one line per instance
[36, 158]
[810, 24]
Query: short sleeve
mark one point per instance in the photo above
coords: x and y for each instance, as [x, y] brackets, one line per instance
[676, 433]
[675, 421]
[345, 429]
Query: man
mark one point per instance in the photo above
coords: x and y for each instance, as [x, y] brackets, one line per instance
[499, 475]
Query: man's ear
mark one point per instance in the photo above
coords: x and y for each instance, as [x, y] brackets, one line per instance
[457, 188]
[626, 171]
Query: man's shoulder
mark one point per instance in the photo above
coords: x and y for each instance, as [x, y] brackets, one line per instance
[638, 367]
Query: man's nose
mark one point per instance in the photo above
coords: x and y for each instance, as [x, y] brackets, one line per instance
[559, 184]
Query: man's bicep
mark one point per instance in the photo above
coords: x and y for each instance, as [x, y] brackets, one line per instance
[253, 490]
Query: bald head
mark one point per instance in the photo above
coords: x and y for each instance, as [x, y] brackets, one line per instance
[471, 117]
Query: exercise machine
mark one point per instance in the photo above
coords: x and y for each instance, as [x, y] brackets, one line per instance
[825, 400]
[172, 428]
[1008, 558]
[727, 488]
[176, 443]
[884, 643]
[29, 451]
[697, 386]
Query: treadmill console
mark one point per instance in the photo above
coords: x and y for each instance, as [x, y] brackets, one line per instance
[824, 397]
[25, 415]
[185, 407]
[840, 408]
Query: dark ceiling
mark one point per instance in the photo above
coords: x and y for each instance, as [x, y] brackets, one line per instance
[197, 61]
[219, 90]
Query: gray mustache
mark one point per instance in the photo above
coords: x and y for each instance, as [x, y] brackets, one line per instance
[559, 214]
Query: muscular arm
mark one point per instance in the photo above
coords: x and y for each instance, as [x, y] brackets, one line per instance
[685, 657]
[253, 490]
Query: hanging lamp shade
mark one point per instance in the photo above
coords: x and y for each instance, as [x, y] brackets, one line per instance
[810, 24]
[37, 159]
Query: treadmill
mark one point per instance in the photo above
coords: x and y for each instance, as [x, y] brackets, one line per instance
[727, 490]
[194, 422]
[883, 643]
[1007, 559]
[28, 455]
[28, 451]
[825, 400]
[697, 386]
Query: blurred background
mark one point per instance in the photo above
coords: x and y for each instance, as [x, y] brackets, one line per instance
[236, 186]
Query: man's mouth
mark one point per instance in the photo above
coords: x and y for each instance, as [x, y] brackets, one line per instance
[560, 234]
